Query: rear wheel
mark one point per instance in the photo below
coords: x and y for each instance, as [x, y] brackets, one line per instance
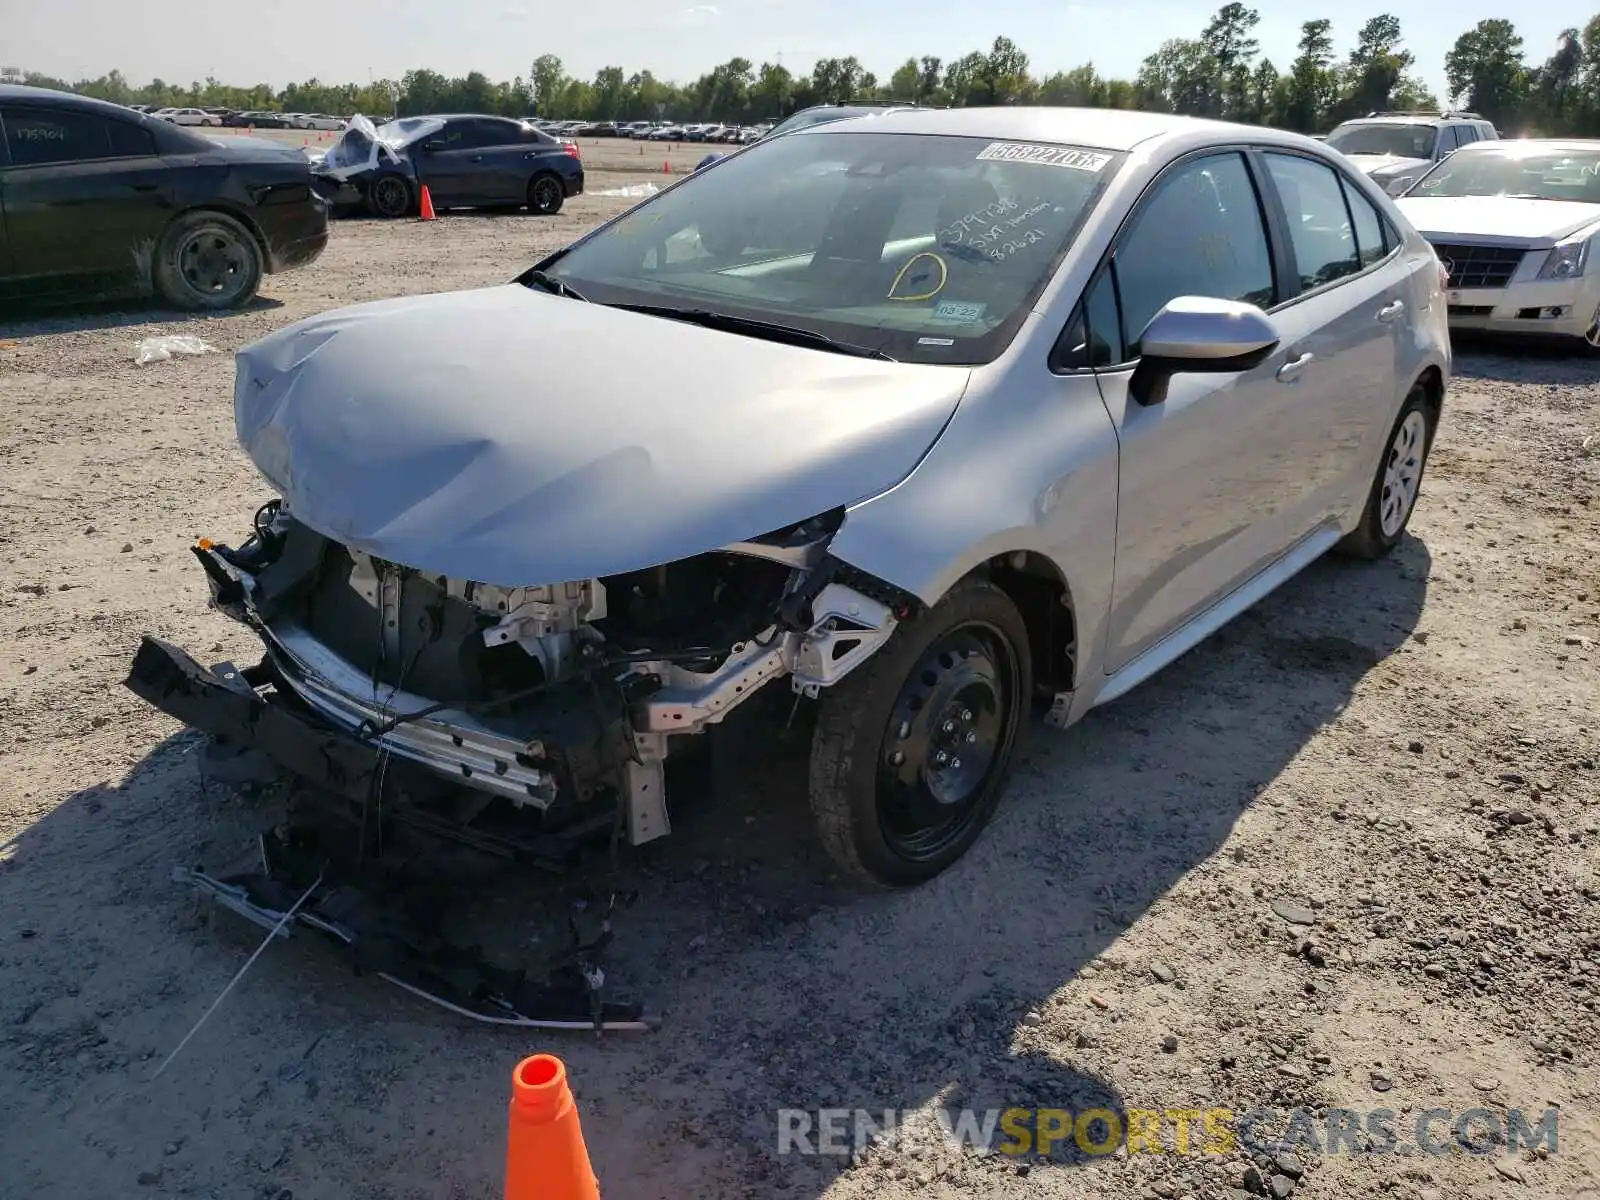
[913, 750]
[1397, 483]
[389, 196]
[207, 260]
[545, 195]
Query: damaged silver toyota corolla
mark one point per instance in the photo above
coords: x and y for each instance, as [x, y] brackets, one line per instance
[922, 419]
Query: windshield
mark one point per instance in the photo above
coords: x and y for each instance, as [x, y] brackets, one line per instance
[928, 249]
[1387, 138]
[1541, 175]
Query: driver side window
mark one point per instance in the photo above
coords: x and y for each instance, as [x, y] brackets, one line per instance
[1200, 234]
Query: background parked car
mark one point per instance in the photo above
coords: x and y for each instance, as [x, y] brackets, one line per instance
[316, 121]
[1395, 148]
[466, 161]
[259, 120]
[103, 201]
[188, 116]
[1516, 224]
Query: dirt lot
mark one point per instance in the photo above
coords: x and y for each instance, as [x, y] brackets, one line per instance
[1401, 754]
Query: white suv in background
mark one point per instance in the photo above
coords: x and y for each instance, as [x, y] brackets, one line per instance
[1396, 148]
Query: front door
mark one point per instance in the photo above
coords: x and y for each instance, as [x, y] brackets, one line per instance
[464, 166]
[1211, 482]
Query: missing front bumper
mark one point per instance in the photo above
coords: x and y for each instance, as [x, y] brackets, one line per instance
[243, 709]
[390, 932]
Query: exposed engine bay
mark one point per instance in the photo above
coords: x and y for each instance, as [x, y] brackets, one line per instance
[561, 701]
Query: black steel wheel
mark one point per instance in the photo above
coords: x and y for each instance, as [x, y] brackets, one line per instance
[207, 260]
[389, 196]
[545, 195]
[913, 750]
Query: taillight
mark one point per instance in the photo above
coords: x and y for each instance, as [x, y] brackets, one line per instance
[572, 149]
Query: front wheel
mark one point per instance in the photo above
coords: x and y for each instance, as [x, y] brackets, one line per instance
[913, 749]
[207, 260]
[1398, 481]
[545, 195]
[389, 196]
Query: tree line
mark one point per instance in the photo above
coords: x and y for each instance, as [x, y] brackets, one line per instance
[1220, 73]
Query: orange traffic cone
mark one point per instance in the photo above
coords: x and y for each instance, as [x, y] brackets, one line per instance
[427, 213]
[666, 168]
[546, 1158]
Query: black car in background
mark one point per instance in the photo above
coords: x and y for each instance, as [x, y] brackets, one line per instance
[465, 160]
[97, 200]
[258, 120]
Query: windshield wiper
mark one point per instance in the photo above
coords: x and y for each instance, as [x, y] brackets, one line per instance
[768, 329]
[550, 283]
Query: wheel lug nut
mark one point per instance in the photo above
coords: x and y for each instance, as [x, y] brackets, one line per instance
[897, 758]
[955, 764]
[948, 727]
[971, 737]
[966, 714]
[941, 758]
[904, 731]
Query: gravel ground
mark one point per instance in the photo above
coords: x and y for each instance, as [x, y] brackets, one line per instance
[1344, 855]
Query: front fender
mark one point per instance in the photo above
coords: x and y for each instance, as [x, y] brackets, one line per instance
[1028, 462]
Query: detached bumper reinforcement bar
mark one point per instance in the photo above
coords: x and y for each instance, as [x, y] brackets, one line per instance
[228, 707]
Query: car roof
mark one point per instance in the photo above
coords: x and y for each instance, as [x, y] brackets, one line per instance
[1104, 128]
[49, 96]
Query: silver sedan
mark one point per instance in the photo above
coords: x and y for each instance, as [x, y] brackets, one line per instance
[922, 419]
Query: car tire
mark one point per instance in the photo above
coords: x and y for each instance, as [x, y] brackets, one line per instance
[389, 196]
[894, 803]
[546, 195]
[1397, 483]
[207, 261]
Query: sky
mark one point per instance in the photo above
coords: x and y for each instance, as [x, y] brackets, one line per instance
[280, 41]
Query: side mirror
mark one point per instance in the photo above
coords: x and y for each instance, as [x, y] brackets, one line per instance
[1199, 334]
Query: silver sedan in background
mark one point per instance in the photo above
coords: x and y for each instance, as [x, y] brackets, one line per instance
[922, 419]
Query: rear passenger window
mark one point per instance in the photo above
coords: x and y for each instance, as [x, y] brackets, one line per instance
[1370, 243]
[40, 136]
[1200, 234]
[1319, 224]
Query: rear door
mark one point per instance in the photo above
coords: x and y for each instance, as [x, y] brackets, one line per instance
[85, 197]
[1346, 322]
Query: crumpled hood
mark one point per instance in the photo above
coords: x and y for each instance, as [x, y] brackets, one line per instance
[1544, 222]
[513, 437]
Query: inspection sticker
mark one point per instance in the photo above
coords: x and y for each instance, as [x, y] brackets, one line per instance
[957, 310]
[1049, 156]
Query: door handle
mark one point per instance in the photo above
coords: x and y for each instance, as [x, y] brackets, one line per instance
[1390, 311]
[477, 158]
[145, 187]
[1290, 371]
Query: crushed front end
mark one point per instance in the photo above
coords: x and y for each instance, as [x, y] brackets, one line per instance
[518, 719]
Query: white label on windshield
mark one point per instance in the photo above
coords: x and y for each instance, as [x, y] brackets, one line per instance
[1049, 156]
[936, 341]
